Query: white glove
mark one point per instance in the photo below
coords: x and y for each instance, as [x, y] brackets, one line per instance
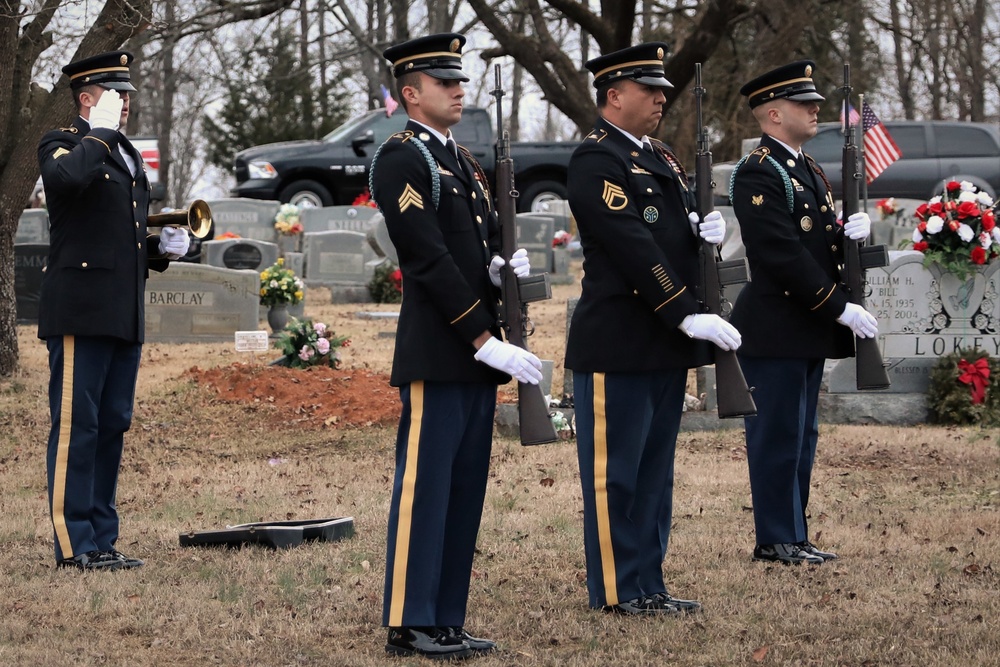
[859, 320]
[712, 228]
[108, 110]
[518, 261]
[705, 326]
[858, 226]
[174, 242]
[523, 365]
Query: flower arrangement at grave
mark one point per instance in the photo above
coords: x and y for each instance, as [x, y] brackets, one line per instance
[364, 199]
[280, 285]
[888, 209]
[957, 229]
[286, 221]
[964, 390]
[227, 235]
[561, 239]
[305, 343]
[386, 285]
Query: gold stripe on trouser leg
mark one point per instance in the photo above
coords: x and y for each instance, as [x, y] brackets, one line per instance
[62, 450]
[405, 519]
[601, 492]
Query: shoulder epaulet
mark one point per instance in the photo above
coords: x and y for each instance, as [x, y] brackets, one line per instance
[70, 129]
[597, 135]
[763, 153]
[403, 136]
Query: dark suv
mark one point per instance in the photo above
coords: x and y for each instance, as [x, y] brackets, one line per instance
[933, 152]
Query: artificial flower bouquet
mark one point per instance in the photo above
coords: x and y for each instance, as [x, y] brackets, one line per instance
[957, 229]
[306, 343]
[280, 285]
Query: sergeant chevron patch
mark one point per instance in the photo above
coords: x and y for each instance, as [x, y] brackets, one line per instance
[410, 197]
[614, 194]
[59, 153]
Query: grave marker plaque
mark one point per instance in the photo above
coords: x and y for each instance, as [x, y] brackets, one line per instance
[191, 303]
[33, 226]
[250, 218]
[29, 267]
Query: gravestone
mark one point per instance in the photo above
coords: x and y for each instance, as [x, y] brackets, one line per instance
[924, 314]
[534, 234]
[331, 218]
[250, 218]
[33, 226]
[29, 267]
[378, 239]
[342, 261]
[192, 303]
[239, 254]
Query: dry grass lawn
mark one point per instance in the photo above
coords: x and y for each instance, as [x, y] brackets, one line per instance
[913, 512]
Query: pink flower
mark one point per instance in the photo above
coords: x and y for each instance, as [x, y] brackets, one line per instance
[319, 328]
[323, 345]
[305, 353]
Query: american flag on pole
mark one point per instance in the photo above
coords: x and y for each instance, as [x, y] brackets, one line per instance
[390, 104]
[880, 149]
[852, 115]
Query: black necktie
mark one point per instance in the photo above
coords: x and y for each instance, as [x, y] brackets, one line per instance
[453, 147]
[801, 159]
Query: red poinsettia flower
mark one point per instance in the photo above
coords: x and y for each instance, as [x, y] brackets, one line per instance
[953, 186]
[397, 280]
[978, 255]
[920, 245]
[363, 199]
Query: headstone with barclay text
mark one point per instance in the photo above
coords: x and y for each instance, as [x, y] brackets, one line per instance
[33, 226]
[331, 218]
[191, 303]
[249, 218]
[29, 267]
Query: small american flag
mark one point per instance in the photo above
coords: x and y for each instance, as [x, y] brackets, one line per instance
[852, 115]
[390, 104]
[880, 149]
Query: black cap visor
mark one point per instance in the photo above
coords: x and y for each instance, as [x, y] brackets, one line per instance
[448, 73]
[807, 96]
[123, 86]
[658, 81]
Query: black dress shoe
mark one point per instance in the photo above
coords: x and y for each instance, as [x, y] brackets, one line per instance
[92, 560]
[127, 563]
[642, 606]
[686, 606]
[810, 548]
[477, 644]
[789, 554]
[429, 642]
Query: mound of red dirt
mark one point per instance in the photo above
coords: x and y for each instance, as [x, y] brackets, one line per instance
[313, 397]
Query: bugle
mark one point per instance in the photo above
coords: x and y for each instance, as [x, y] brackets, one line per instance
[197, 218]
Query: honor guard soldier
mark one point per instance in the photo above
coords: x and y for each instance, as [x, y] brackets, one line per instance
[91, 306]
[636, 330]
[795, 313]
[448, 358]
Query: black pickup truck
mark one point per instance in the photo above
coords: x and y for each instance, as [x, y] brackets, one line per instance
[334, 170]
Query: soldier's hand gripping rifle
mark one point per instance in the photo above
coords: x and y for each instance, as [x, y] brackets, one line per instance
[733, 394]
[532, 411]
[871, 370]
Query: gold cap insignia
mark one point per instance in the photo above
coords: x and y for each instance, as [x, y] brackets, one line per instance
[757, 200]
[614, 196]
[806, 223]
[454, 46]
[659, 53]
[409, 65]
[123, 59]
[809, 70]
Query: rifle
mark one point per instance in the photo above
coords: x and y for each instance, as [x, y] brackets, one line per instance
[532, 411]
[871, 373]
[733, 394]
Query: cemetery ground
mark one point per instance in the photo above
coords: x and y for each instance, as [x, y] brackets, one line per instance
[913, 513]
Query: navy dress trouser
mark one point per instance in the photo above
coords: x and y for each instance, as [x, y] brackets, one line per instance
[442, 462]
[627, 425]
[91, 392]
[781, 444]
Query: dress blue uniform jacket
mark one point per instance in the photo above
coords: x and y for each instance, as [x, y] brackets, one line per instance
[641, 269]
[99, 253]
[789, 307]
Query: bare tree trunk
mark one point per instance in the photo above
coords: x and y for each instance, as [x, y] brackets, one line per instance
[400, 23]
[903, 75]
[305, 86]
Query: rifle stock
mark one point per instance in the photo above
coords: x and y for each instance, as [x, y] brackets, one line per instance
[733, 394]
[534, 422]
[871, 369]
